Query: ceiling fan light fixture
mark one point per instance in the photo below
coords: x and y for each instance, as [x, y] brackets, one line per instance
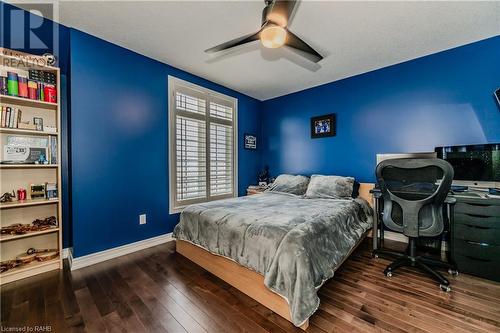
[273, 36]
[273, 32]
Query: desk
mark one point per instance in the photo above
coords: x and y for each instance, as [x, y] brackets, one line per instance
[474, 221]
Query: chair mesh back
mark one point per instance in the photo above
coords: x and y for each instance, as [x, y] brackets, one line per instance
[413, 185]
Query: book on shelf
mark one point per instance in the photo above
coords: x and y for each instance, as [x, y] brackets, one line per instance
[7, 117]
[52, 149]
[4, 117]
[51, 191]
[10, 117]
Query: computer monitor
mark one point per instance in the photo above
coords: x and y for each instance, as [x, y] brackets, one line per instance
[474, 165]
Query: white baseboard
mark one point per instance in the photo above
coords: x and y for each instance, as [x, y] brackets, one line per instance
[70, 256]
[65, 253]
[94, 258]
[394, 236]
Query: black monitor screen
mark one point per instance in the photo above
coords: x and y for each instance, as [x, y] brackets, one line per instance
[473, 162]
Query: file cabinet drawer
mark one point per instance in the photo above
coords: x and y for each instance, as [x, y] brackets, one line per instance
[488, 269]
[477, 209]
[492, 222]
[476, 249]
[476, 233]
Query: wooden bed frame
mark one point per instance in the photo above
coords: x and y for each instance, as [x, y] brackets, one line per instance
[245, 280]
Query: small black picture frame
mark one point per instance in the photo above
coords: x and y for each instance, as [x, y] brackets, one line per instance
[38, 122]
[323, 126]
[250, 141]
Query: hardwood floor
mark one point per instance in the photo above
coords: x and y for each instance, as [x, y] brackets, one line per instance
[157, 290]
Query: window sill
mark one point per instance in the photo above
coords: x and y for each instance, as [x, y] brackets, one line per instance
[176, 210]
[179, 209]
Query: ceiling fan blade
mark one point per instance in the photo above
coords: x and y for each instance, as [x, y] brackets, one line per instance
[235, 42]
[298, 44]
[281, 12]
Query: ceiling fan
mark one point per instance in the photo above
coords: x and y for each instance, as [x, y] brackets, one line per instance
[274, 32]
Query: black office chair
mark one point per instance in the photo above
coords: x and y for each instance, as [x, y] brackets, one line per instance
[414, 192]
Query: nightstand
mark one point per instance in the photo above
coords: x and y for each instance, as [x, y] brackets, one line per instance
[252, 189]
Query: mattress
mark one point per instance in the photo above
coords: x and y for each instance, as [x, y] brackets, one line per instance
[294, 242]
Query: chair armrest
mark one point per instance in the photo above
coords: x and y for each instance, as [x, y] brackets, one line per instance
[376, 192]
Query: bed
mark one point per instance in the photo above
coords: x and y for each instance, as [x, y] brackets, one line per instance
[277, 248]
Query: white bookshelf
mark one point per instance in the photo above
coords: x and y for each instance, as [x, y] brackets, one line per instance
[14, 176]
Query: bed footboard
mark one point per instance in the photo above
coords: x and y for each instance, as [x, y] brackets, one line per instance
[243, 279]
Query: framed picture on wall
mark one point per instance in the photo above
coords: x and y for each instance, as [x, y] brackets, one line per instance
[250, 141]
[323, 126]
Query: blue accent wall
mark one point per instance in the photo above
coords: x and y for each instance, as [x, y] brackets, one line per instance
[441, 99]
[119, 111]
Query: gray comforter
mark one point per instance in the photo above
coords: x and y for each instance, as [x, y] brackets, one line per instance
[295, 243]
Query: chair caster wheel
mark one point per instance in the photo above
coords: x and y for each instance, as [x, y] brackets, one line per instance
[375, 256]
[453, 272]
[388, 274]
[445, 288]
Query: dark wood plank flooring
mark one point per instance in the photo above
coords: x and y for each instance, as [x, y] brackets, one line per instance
[157, 290]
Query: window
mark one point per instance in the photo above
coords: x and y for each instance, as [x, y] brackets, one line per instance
[202, 154]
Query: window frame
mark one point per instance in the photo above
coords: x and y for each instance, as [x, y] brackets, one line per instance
[174, 85]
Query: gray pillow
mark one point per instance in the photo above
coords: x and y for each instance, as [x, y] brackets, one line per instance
[290, 184]
[330, 187]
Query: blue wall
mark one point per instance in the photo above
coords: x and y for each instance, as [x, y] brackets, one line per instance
[442, 99]
[119, 143]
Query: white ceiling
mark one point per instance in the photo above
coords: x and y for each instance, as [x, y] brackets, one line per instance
[354, 37]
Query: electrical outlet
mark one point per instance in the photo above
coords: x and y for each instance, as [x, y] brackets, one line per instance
[142, 219]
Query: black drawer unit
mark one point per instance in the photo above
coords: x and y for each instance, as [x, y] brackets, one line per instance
[475, 237]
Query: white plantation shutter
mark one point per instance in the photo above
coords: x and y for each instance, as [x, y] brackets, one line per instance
[190, 158]
[202, 145]
[221, 111]
[221, 159]
[189, 103]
